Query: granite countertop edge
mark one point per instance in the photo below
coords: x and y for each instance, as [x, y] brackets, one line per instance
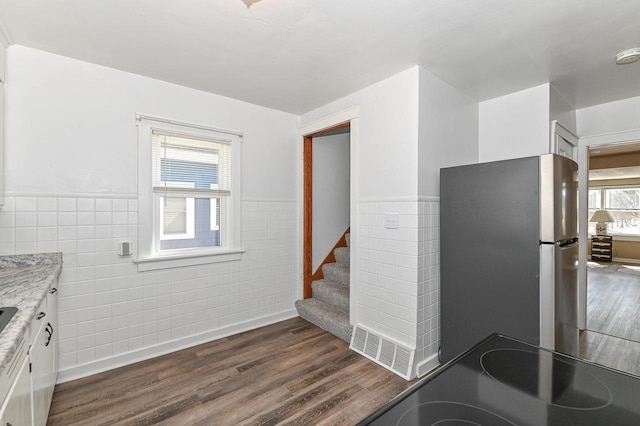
[25, 281]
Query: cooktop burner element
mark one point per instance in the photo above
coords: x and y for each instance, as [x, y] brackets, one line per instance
[449, 413]
[546, 377]
[502, 381]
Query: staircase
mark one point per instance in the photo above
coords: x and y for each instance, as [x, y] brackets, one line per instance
[329, 306]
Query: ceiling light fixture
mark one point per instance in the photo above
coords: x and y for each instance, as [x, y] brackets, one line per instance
[248, 3]
[628, 56]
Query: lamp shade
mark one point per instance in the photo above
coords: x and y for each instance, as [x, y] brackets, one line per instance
[602, 216]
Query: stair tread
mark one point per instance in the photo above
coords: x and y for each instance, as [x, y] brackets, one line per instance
[325, 316]
[328, 283]
[336, 265]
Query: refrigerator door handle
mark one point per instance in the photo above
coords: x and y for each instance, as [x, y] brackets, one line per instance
[567, 243]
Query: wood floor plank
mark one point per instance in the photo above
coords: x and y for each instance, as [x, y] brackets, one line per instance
[318, 413]
[291, 372]
[613, 301]
[610, 351]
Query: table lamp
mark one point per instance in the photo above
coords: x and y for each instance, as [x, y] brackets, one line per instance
[601, 217]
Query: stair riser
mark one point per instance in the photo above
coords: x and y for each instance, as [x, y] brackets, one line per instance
[342, 255]
[336, 273]
[338, 325]
[332, 297]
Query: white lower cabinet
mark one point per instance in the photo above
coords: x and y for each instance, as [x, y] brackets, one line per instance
[17, 408]
[28, 379]
[43, 357]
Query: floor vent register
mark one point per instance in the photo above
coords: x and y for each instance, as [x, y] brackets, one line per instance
[383, 351]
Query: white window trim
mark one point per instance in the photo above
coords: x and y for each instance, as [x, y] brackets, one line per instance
[230, 249]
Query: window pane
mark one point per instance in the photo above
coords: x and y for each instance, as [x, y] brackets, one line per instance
[194, 218]
[627, 222]
[624, 199]
[174, 222]
[594, 200]
[202, 163]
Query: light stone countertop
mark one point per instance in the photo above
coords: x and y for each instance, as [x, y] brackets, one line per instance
[24, 283]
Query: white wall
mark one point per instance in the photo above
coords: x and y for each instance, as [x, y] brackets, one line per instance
[560, 109]
[515, 125]
[71, 127]
[410, 125]
[611, 117]
[71, 187]
[388, 134]
[331, 211]
[386, 259]
[448, 134]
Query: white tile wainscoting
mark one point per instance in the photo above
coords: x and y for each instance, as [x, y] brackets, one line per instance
[400, 275]
[111, 315]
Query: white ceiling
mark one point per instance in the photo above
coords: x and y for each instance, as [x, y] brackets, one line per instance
[296, 55]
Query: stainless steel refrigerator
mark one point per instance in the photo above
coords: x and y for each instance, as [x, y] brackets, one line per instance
[509, 253]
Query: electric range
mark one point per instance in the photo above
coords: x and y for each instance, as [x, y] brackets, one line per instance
[503, 381]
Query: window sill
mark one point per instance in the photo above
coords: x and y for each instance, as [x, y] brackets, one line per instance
[189, 259]
[622, 237]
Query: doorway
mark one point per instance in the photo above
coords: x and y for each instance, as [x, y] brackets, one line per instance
[326, 196]
[351, 117]
[610, 264]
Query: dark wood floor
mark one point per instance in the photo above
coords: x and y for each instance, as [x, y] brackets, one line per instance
[610, 351]
[287, 373]
[612, 337]
[613, 301]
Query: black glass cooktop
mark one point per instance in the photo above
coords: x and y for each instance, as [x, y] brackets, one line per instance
[502, 381]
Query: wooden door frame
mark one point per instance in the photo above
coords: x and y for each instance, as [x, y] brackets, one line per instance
[307, 261]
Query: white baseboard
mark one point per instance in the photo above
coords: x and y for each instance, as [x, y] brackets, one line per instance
[142, 354]
[427, 365]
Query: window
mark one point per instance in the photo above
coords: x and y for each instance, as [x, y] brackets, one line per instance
[188, 189]
[623, 202]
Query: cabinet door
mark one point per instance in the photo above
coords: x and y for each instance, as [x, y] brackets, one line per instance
[41, 358]
[52, 348]
[38, 359]
[17, 407]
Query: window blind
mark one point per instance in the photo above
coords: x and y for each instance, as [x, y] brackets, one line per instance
[190, 166]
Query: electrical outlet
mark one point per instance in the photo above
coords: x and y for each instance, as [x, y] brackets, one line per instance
[391, 221]
[124, 249]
